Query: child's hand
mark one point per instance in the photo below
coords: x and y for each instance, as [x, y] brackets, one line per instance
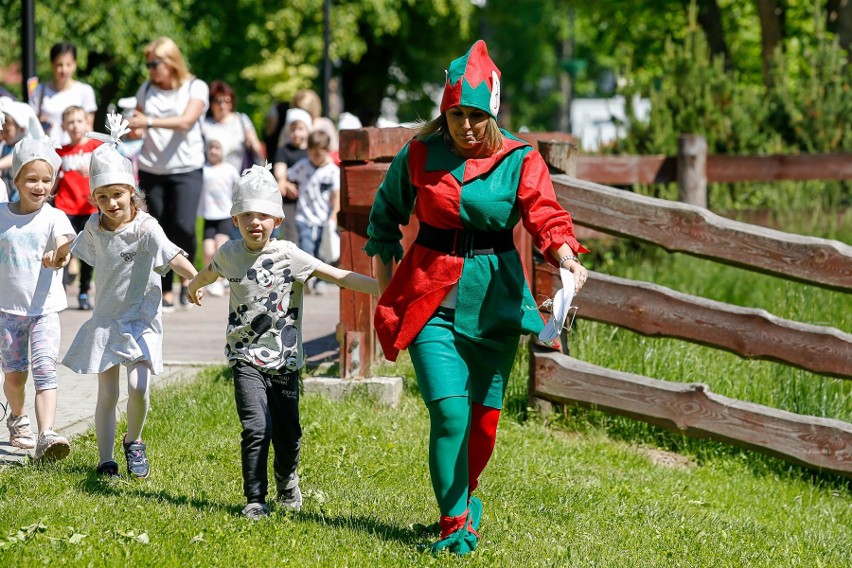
[194, 295]
[50, 260]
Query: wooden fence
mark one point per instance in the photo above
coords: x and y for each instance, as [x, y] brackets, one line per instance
[646, 308]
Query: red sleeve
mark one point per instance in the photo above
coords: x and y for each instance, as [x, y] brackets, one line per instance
[542, 215]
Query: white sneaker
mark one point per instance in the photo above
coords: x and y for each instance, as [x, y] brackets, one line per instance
[20, 433]
[216, 289]
[51, 446]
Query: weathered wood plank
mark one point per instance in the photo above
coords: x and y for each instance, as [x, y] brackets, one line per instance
[361, 181]
[373, 143]
[356, 309]
[627, 170]
[692, 409]
[752, 333]
[722, 168]
[695, 230]
[370, 143]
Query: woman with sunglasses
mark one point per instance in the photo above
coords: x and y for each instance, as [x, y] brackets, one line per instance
[241, 144]
[458, 300]
[171, 161]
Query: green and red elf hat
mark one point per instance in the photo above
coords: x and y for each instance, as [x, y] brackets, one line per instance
[473, 80]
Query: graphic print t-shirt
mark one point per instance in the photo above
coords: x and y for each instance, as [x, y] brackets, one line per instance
[265, 319]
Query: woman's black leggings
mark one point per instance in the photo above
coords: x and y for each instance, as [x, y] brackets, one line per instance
[173, 201]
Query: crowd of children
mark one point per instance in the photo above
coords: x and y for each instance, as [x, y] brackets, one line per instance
[105, 227]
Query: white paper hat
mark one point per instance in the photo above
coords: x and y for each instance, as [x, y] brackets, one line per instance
[300, 115]
[23, 115]
[256, 190]
[30, 149]
[108, 165]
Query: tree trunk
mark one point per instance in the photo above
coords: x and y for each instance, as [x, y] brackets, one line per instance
[838, 15]
[362, 90]
[710, 20]
[772, 19]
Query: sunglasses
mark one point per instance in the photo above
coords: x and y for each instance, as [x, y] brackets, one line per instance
[153, 64]
[223, 101]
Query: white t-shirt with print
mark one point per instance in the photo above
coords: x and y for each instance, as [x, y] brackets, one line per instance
[28, 288]
[315, 190]
[54, 103]
[166, 151]
[266, 302]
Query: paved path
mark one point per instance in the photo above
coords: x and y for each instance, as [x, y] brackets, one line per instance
[194, 337]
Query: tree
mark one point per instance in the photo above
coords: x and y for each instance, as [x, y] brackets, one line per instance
[772, 18]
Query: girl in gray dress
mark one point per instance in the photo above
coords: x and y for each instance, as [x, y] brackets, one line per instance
[130, 252]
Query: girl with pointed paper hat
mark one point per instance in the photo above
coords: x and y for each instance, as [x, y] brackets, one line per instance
[32, 297]
[130, 252]
[458, 300]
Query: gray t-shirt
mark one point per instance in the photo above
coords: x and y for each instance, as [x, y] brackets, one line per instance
[267, 290]
[126, 326]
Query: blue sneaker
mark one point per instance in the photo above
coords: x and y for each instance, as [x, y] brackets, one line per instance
[137, 459]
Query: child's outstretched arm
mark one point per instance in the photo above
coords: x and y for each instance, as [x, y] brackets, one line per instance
[181, 265]
[59, 257]
[205, 277]
[347, 279]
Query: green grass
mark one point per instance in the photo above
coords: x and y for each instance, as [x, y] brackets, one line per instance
[551, 499]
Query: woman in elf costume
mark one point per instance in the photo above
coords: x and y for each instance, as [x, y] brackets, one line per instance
[459, 300]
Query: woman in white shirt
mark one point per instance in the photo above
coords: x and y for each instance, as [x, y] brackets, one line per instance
[49, 100]
[233, 129]
[171, 161]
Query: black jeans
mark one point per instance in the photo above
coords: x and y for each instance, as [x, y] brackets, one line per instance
[268, 406]
[173, 201]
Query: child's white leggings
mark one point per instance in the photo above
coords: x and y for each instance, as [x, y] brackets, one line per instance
[138, 401]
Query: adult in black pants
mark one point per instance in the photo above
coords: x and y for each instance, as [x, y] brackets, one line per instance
[168, 108]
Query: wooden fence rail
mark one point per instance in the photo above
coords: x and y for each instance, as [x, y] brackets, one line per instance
[644, 307]
[685, 228]
[693, 410]
[751, 333]
[632, 170]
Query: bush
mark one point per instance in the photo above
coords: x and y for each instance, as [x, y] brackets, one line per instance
[804, 107]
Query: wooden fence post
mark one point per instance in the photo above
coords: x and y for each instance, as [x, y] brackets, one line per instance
[692, 169]
[561, 158]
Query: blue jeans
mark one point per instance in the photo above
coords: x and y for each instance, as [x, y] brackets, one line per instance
[310, 238]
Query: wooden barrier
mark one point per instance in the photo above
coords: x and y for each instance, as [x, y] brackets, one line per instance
[643, 307]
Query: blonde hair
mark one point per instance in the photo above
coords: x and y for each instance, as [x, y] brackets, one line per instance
[137, 200]
[491, 142]
[308, 100]
[166, 50]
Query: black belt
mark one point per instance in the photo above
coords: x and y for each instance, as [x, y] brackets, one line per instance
[465, 242]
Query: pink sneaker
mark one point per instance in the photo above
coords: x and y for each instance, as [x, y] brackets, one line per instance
[20, 433]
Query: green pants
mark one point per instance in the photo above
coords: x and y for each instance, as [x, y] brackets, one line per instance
[453, 372]
[450, 364]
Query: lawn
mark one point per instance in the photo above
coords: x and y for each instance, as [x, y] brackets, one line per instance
[553, 497]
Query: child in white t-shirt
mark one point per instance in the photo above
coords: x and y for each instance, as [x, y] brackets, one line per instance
[32, 296]
[215, 205]
[318, 179]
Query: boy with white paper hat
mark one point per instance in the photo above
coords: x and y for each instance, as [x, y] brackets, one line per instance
[264, 336]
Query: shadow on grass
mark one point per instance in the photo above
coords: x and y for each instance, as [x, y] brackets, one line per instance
[99, 485]
[403, 535]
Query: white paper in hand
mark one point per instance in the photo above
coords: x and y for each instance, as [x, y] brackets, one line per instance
[561, 305]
